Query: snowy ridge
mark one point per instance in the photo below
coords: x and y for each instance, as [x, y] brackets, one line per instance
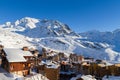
[39, 28]
[11, 40]
[57, 36]
[112, 38]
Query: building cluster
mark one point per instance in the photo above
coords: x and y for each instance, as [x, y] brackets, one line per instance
[90, 66]
[50, 63]
[26, 62]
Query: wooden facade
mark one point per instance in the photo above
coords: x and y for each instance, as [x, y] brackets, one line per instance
[49, 72]
[52, 73]
[19, 68]
[100, 70]
[41, 69]
[76, 64]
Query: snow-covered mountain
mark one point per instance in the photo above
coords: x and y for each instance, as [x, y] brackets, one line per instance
[54, 35]
[11, 39]
[40, 28]
[112, 38]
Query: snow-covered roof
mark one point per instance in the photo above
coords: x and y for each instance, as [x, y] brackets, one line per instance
[27, 53]
[14, 55]
[50, 64]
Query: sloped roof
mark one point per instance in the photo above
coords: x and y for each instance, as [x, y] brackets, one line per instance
[16, 55]
[27, 53]
[50, 64]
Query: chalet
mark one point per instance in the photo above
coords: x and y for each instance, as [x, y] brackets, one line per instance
[47, 53]
[50, 69]
[52, 72]
[73, 58]
[41, 68]
[17, 61]
[61, 55]
[37, 57]
[117, 69]
[85, 68]
[33, 58]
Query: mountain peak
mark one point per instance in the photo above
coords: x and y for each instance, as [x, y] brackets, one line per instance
[28, 22]
[29, 19]
[41, 28]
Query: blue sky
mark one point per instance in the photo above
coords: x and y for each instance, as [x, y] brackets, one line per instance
[80, 15]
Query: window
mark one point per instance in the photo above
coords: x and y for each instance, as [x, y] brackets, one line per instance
[11, 67]
[23, 65]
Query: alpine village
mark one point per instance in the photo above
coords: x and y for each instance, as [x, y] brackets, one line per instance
[54, 65]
